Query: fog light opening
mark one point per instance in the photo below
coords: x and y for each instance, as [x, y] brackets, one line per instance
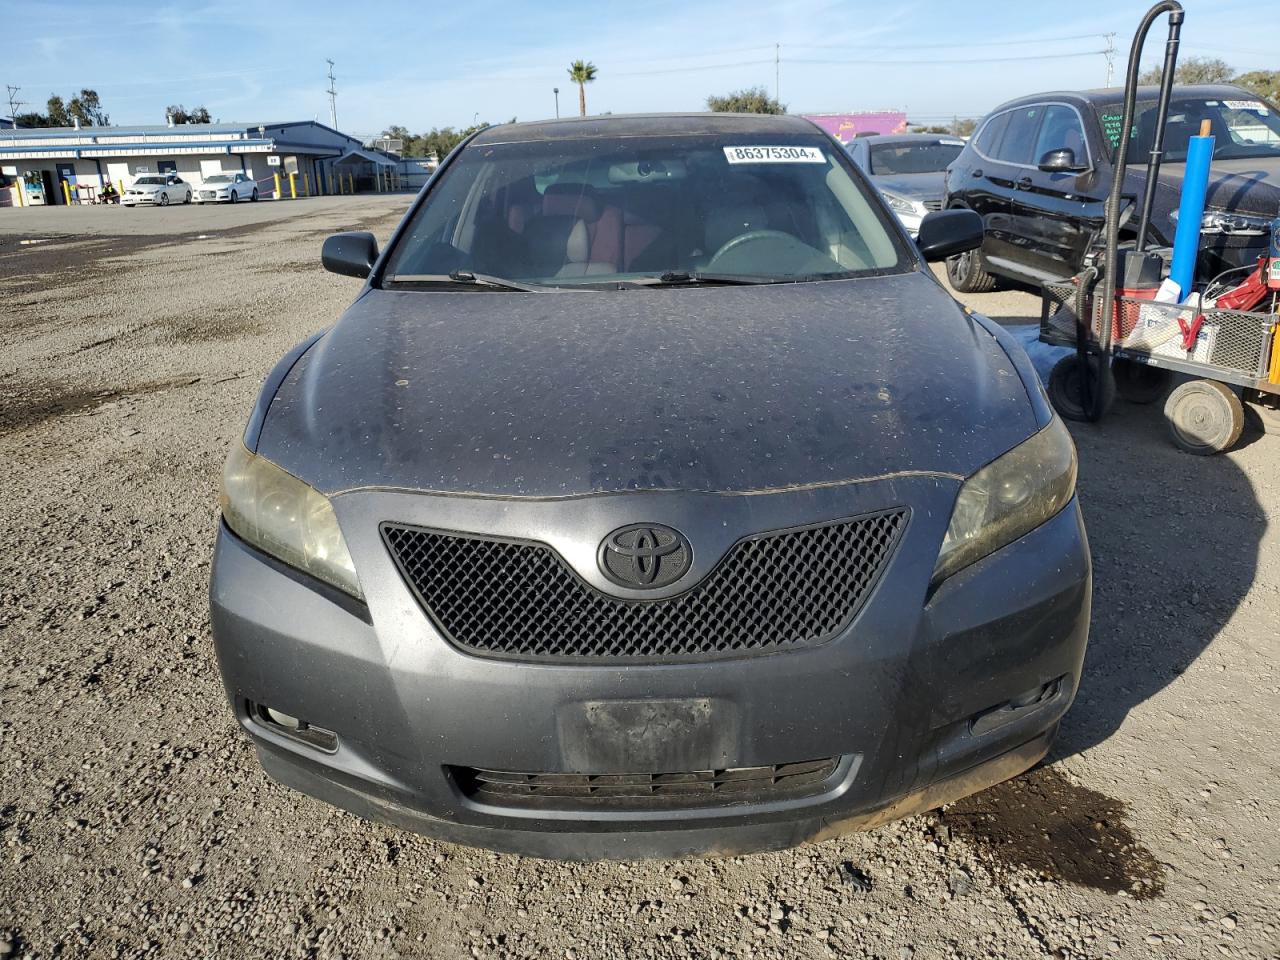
[287, 725]
[1016, 708]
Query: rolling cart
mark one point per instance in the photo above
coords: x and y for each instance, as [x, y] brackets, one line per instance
[1143, 342]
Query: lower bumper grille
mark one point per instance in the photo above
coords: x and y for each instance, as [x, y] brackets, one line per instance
[932, 205]
[646, 791]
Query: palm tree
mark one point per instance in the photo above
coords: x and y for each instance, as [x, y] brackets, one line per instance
[582, 72]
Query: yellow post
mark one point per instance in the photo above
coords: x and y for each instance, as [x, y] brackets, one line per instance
[351, 183]
[66, 192]
[377, 179]
[306, 185]
[276, 178]
[19, 188]
[120, 184]
[293, 186]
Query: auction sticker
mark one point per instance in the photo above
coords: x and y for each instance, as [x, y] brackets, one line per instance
[774, 155]
[1253, 105]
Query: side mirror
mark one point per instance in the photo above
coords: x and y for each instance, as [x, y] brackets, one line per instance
[1062, 160]
[945, 233]
[350, 254]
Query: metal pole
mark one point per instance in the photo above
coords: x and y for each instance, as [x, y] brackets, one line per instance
[556, 91]
[777, 85]
[333, 98]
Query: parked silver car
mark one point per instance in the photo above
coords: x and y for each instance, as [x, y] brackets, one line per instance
[908, 169]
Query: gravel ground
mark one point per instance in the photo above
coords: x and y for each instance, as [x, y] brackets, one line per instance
[135, 822]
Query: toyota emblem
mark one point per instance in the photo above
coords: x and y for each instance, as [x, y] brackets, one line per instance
[645, 556]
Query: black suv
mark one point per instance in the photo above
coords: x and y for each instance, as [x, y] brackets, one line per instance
[1039, 169]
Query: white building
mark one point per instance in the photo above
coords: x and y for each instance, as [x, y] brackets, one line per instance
[41, 160]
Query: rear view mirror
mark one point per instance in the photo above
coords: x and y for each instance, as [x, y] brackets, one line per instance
[350, 254]
[1062, 160]
[945, 233]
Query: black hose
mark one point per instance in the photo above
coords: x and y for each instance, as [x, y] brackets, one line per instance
[1093, 407]
[1162, 115]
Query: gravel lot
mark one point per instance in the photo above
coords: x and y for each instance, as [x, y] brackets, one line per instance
[134, 820]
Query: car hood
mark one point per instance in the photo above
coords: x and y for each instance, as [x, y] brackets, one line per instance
[145, 187]
[914, 186]
[1247, 186]
[709, 389]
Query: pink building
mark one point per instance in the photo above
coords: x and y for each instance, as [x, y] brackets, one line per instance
[845, 126]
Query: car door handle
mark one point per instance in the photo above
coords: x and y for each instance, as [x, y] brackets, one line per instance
[1024, 183]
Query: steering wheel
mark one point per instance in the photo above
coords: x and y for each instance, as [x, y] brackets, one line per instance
[751, 236]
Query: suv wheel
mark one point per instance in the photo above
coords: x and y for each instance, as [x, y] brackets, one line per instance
[967, 273]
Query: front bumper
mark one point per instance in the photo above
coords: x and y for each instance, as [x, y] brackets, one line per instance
[138, 198]
[210, 196]
[914, 697]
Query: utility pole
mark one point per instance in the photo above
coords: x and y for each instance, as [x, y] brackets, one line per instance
[333, 98]
[777, 58]
[556, 91]
[1110, 54]
[14, 102]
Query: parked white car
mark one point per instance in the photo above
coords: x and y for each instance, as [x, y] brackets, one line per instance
[226, 187]
[159, 189]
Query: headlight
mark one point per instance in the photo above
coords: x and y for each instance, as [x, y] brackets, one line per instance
[1009, 497]
[1232, 224]
[280, 515]
[898, 204]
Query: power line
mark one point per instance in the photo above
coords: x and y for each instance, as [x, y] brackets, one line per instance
[925, 63]
[951, 45]
[1110, 54]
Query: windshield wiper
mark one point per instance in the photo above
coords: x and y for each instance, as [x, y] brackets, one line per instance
[467, 278]
[678, 277]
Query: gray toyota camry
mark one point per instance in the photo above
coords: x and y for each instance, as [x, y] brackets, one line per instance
[651, 499]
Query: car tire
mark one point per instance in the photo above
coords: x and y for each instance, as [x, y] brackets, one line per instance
[1065, 386]
[1140, 382]
[1205, 417]
[163, 200]
[253, 197]
[967, 273]
[188, 197]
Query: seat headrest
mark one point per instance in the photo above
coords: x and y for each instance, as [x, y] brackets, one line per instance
[571, 200]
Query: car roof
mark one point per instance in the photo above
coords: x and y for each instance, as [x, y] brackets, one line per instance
[1113, 95]
[647, 124]
[909, 138]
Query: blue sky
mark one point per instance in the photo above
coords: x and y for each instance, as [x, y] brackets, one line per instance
[425, 64]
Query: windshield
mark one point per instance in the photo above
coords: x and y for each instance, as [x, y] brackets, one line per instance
[218, 178]
[153, 180]
[920, 157]
[1241, 128]
[601, 211]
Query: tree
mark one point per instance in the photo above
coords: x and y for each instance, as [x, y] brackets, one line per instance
[57, 116]
[1263, 83]
[750, 100]
[1193, 70]
[582, 72]
[87, 108]
[179, 114]
[23, 120]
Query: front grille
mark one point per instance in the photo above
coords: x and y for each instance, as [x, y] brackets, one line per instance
[208, 194]
[933, 204]
[786, 589]
[646, 791]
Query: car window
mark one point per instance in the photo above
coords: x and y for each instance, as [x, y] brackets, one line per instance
[583, 211]
[1061, 128]
[1020, 137]
[988, 140]
[218, 178]
[918, 157]
[1242, 129]
[150, 180]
